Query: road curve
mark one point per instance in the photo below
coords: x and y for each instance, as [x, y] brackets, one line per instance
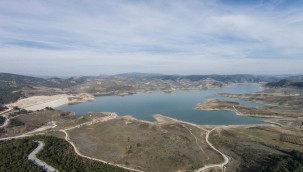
[5, 122]
[5, 115]
[33, 158]
[220, 165]
[95, 159]
[112, 116]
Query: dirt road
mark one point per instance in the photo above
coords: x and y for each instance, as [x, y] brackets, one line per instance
[91, 158]
[112, 116]
[32, 157]
[5, 115]
[220, 165]
[6, 122]
[109, 117]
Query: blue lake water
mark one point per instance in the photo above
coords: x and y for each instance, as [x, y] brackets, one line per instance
[179, 104]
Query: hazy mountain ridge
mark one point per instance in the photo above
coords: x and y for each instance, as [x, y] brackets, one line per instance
[292, 82]
[139, 75]
[13, 86]
[222, 78]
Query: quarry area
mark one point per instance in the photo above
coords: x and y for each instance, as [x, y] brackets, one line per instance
[41, 102]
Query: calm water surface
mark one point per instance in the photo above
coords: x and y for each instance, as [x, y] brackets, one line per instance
[179, 104]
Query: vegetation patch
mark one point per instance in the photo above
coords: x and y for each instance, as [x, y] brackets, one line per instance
[287, 83]
[291, 139]
[15, 122]
[2, 108]
[252, 148]
[14, 155]
[2, 120]
[293, 162]
[57, 152]
[60, 154]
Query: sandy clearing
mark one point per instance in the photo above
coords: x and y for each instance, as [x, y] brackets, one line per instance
[40, 102]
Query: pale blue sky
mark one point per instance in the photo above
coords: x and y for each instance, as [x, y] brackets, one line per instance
[91, 37]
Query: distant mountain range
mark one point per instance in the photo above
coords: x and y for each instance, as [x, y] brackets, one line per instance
[290, 82]
[59, 82]
[21, 80]
[221, 78]
[139, 75]
[13, 86]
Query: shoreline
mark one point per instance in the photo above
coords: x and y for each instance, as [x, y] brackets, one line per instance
[26, 103]
[245, 115]
[234, 106]
[65, 99]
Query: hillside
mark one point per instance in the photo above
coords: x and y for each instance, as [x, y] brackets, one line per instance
[298, 83]
[13, 86]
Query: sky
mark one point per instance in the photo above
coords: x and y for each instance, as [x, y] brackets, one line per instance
[93, 37]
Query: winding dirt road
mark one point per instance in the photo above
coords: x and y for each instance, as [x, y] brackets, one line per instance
[5, 115]
[110, 117]
[107, 118]
[6, 122]
[91, 158]
[33, 158]
[37, 131]
[220, 165]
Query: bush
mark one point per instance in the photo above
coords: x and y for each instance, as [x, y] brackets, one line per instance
[15, 122]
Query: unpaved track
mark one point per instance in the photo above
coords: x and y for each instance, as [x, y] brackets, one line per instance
[220, 165]
[7, 110]
[16, 137]
[32, 157]
[112, 116]
[6, 122]
[32, 133]
[102, 119]
[197, 142]
[107, 118]
[5, 115]
[91, 158]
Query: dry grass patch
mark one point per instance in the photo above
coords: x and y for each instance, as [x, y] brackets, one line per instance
[146, 146]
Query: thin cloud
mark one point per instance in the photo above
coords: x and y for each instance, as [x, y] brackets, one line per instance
[192, 37]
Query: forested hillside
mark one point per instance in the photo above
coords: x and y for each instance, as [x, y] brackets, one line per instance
[298, 83]
[57, 153]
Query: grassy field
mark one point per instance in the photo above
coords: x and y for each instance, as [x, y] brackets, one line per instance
[146, 146]
[25, 122]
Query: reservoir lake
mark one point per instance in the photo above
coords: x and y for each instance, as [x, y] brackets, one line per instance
[179, 104]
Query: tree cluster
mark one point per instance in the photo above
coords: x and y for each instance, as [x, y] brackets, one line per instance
[284, 163]
[57, 152]
[14, 155]
[60, 154]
